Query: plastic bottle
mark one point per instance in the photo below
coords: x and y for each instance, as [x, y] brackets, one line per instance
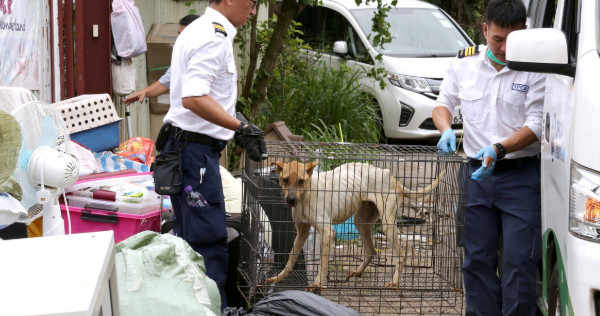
[194, 199]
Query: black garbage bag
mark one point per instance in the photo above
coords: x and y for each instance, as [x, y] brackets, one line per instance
[298, 303]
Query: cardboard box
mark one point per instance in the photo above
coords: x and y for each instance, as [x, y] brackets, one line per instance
[160, 42]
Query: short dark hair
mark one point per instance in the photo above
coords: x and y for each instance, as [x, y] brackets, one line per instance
[186, 20]
[214, 1]
[506, 13]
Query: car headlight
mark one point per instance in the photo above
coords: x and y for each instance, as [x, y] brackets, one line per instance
[416, 84]
[584, 207]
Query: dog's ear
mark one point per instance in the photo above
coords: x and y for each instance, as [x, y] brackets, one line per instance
[278, 165]
[311, 166]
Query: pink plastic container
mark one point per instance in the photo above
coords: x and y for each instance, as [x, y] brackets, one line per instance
[122, 224]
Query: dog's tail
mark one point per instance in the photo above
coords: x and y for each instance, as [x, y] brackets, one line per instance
[420, 193]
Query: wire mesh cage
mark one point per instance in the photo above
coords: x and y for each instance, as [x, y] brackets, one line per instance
[382, 224]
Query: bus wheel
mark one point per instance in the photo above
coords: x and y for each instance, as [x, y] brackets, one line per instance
[554, 293]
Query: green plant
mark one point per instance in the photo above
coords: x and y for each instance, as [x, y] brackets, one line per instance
[326, 104]
[288, 11]
[320, 103]
[188, 3]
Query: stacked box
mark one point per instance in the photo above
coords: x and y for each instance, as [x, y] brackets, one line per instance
[91, 120]
[160, 42]
[90, 214]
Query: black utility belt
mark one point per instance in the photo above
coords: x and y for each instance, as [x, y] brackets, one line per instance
[178, 134]
[508, 164]
[166, 168]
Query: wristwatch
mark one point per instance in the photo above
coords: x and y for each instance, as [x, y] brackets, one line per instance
[501, 151]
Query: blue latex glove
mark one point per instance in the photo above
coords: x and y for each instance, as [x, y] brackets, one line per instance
[483, 172]
[447, 143]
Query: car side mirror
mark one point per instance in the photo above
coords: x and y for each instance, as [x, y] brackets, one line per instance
[340, 47]
[539, 50]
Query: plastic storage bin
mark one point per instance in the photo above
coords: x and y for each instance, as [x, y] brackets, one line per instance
[123, 225]
[144, 207]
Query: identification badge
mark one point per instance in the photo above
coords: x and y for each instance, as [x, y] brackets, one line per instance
[520, 87]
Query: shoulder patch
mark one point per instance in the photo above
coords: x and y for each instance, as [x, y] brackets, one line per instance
[469, 51]
[219, 28]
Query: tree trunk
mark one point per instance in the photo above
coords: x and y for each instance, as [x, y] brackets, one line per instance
[253, 60]
[289, 11]
[460, 13]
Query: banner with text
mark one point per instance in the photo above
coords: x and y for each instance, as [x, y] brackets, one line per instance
[20, 43]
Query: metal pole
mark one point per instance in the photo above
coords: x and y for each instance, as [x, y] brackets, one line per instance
[128, 120]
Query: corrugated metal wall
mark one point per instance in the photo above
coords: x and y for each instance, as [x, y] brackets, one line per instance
[157, 11]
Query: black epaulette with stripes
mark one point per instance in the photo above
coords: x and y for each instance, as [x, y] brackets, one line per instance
[219, 28]
[469, 51]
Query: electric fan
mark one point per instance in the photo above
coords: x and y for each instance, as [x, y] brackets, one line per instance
[45, 164]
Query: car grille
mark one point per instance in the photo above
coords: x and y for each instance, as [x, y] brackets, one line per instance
[406, 114]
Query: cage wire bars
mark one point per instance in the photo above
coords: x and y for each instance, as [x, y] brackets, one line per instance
[428, 228]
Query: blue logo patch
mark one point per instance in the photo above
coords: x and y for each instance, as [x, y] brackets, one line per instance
[520, 87]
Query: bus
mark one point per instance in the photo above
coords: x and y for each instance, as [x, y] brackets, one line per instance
[563, 40]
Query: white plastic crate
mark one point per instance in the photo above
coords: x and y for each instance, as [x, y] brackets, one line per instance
[87, 111]
[91, 120]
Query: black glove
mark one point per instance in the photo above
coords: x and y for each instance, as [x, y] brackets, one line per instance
[252, 139]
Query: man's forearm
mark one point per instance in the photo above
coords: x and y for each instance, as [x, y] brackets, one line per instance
[156, 89]
[519, 140]
[442, 118]
[207, 108]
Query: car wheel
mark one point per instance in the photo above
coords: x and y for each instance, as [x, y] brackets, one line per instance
[554, 293]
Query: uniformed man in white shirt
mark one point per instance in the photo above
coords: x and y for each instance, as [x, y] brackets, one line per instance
[200, 121]
[502, 112]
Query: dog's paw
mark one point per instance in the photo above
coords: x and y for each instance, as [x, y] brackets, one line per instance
[354, 274]
[392, 285]
[314, 288]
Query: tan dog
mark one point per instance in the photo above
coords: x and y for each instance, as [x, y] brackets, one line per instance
[358, 189]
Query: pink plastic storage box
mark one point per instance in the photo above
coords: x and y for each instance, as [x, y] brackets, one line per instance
[123, 225]
[151, 204]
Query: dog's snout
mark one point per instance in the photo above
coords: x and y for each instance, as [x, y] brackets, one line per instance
[291, 199]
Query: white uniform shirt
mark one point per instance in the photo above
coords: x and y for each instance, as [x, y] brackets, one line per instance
[203, 64]
[495, 104]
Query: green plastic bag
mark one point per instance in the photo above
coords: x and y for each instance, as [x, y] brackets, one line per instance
[162, 275]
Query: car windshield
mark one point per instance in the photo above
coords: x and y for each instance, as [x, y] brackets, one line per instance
[415, 33]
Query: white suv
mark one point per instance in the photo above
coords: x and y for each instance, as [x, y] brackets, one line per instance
[425, 41]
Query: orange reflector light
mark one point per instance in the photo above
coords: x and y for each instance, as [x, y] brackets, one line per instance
[592, 211]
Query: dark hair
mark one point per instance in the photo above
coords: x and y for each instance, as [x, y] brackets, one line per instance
[186, 20]
[506, 13]
[214, 1]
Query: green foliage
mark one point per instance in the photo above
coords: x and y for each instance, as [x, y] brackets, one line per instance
[380, 26]
[188, 3]
[319, 131]
[289, 59]
[324, 104]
